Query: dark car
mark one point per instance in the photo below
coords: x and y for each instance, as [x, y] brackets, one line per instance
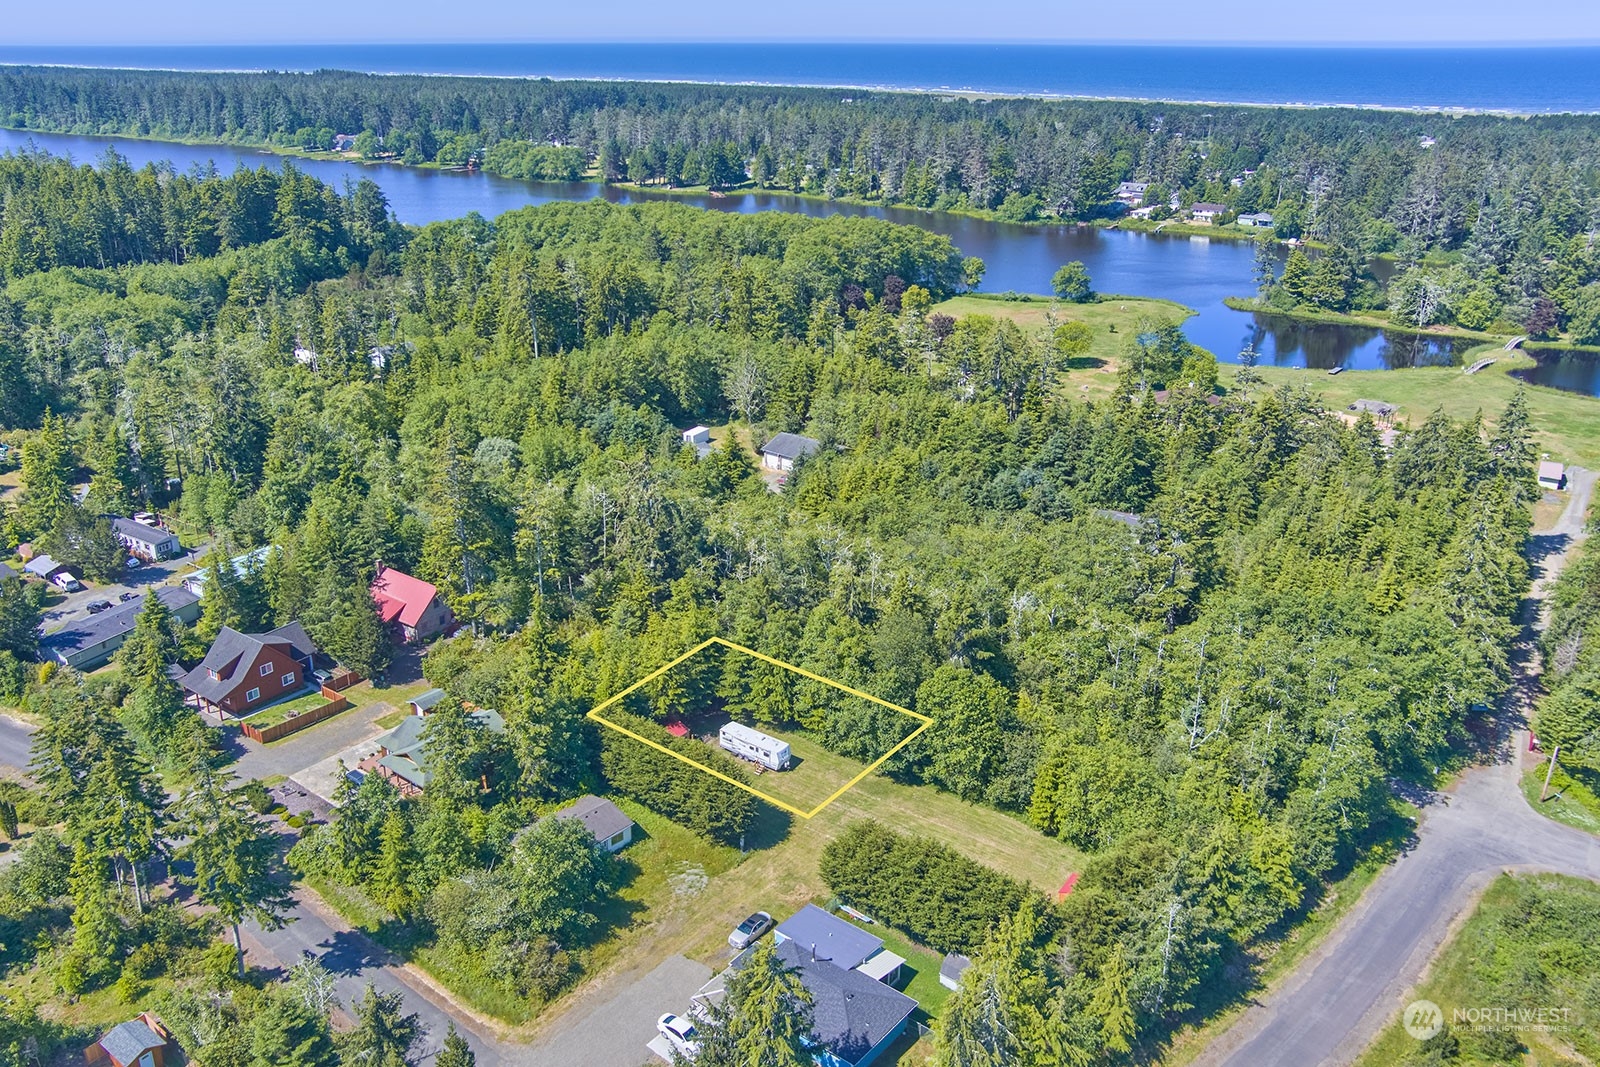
[125, 597]
[98, 606]
[747, 932]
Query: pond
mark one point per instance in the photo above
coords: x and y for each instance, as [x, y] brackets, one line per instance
[1564, 369]
[1198, 272]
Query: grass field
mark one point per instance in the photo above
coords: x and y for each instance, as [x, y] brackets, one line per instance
[1508, 956]
[1566, 425]
[1113, 320]
[814, 775]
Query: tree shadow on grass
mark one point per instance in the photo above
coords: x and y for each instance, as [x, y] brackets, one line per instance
[770, 826]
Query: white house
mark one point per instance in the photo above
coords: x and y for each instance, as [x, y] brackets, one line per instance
[612, 829]
[1207, 212]
[149, 543]
[1257, 219]
[785, 449]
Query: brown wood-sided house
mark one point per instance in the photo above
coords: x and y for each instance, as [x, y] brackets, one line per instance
[244, 672]
[141, 1042]
[410, 604]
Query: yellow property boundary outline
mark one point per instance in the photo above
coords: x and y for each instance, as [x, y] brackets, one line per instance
[923, 721]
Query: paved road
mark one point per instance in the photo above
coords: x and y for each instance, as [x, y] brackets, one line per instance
[610, 1032]
[613, 1032]
[298, 751]
[15, 739]
[1345, 993]
[356, 961]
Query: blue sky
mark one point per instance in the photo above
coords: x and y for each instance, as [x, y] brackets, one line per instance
[1309, 21]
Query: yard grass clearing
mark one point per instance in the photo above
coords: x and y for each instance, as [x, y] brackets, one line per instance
[1112, 319]
[1574, 797]
[1566, 425]
[285, 710]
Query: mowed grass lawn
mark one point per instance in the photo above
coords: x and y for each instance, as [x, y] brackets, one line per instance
[1566, 425]
[814, 775]
[1113, 320]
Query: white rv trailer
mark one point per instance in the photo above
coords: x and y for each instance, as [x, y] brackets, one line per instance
[754, 745]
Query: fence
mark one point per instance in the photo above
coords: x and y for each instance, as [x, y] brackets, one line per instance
[343, 679]
[336, 703]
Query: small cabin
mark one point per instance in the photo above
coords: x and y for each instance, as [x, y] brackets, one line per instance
[1552, 475]
[755, 746]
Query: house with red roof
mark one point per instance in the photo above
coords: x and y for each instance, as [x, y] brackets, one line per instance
[411, 605]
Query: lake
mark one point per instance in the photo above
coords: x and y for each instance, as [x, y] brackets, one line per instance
[1198, 272]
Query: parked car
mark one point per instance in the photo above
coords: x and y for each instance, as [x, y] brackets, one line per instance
[748, 932]
[680, 1032]
[134, 563]
[98, 606]
[125, 597]
[67, 582]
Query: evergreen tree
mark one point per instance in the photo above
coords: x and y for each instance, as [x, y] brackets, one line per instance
[383, 1036]
[222, 603]
[764, 1018]
[21, 612]
[455, 1052]
[47, 474]
[156, 711]
[111, 485]
[236, 868]
[1112, 1005]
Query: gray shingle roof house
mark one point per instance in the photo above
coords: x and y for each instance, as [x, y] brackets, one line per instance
[784, 449]
[146, 542]
[243, 672]
[86, 644]
[854, 1017]
[141, 1042]
[612, 829]
[7, 572]
[828, 937]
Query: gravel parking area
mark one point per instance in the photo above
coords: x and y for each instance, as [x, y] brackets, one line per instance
[615, 1031]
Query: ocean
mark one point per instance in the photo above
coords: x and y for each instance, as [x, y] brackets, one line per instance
[1523, 80]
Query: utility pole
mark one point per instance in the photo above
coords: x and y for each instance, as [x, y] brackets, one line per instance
[1545, 789]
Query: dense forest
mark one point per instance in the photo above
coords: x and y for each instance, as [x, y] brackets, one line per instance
[1492, 219]
[1193, 635]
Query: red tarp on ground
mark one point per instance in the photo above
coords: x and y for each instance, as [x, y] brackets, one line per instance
[1068, 886]
[677, 729]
